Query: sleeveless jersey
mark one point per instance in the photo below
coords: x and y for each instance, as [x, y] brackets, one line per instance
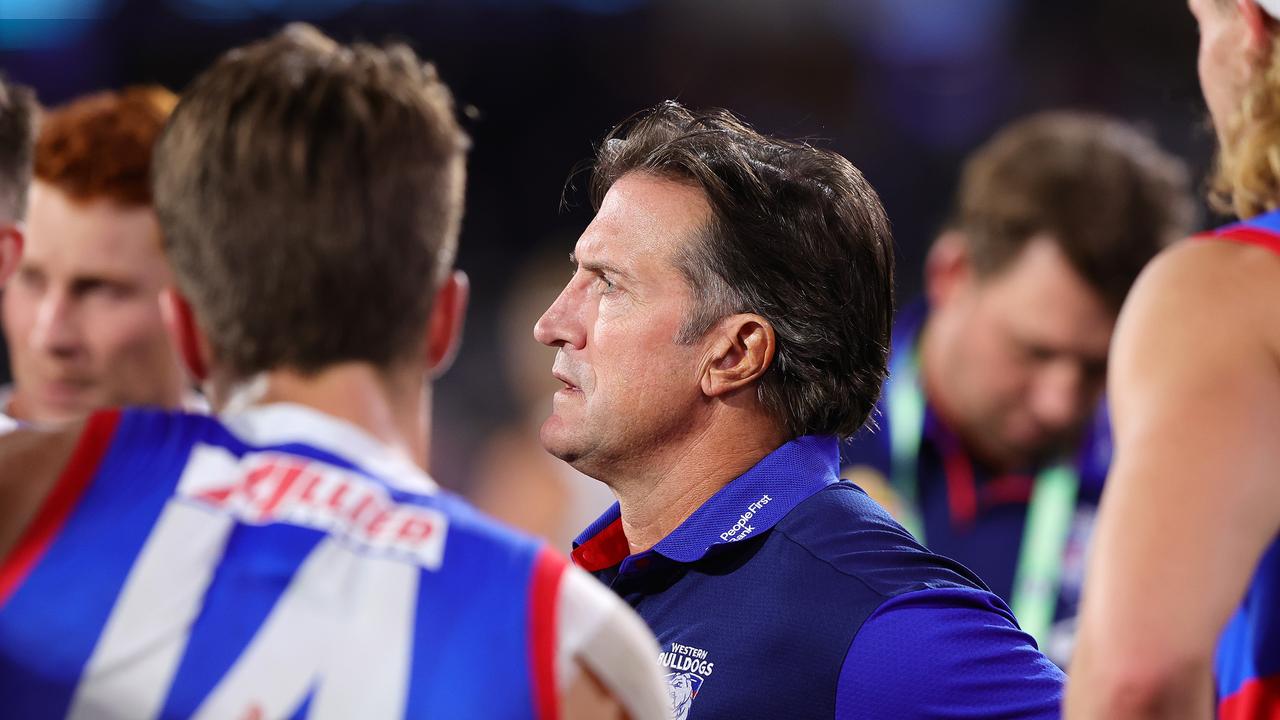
[1248, 657]
[273, 564]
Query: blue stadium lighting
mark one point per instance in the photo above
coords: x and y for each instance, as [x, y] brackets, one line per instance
[245, 9]
[52, 9]
[47, 23]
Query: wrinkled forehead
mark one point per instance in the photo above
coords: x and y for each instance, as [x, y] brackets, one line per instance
[645, 220]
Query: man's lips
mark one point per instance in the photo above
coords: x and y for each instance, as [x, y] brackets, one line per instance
[569, 384]
[63, 390]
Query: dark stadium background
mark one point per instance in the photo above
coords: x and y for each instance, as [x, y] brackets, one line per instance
[904, 88]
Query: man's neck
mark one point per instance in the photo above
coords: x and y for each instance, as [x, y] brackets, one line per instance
[394, 409]
[656, 499]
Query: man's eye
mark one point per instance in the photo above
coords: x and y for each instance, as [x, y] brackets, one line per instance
[605, 283]
[32, 279]
[1037, 353]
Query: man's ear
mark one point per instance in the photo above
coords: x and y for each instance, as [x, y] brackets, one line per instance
[948, 268]
[11, 240]
[1258, 29]
[444, 326]
[740, 351]
[190, 341]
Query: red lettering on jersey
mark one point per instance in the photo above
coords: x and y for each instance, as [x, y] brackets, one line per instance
[414, 530]
[288, 489]
[361, 506]
[284, 484]
[310, 482]
[377, 522]
[339, 492]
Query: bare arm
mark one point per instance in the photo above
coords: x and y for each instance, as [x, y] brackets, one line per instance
[1193, 499]
[30, 463]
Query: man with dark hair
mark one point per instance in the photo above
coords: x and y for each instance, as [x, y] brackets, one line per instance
[289, 557]
[81, 316]
[993, 444]
[728, 320]
[18, 115]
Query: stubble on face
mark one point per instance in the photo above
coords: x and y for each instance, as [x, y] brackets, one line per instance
[631, 392]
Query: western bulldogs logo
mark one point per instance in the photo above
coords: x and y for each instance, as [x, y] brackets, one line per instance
[690, 668]
[682, 688]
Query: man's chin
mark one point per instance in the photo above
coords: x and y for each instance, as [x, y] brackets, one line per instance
[556, 440]
[56, 409]
[1038, 451]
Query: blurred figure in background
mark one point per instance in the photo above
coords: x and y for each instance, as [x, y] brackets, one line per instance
[81, 313]
[993, 446]
[18, 118]
[290, 557]
[1184, 579]
[517, 481]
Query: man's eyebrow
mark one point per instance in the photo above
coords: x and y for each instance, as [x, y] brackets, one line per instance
[599, 267]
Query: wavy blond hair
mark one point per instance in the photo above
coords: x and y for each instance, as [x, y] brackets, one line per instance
[1247, 177]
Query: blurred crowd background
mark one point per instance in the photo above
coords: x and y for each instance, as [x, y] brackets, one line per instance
[903, 88]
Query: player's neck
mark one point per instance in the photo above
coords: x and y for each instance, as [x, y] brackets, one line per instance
[657, 499]
[392, 408]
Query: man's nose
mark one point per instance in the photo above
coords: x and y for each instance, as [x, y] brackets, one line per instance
[1057, 398]
[561, 323]
[56, 329]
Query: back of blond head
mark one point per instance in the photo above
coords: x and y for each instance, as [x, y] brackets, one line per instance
[1247, 178]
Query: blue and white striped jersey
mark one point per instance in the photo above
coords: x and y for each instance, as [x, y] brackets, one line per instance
[278, 563]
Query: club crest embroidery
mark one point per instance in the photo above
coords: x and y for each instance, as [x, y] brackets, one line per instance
[690, 668]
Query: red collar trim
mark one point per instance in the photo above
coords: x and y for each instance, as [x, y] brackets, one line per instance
[605, 549]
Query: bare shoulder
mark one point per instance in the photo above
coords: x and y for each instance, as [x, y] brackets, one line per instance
[30, 463]
[1205, 297]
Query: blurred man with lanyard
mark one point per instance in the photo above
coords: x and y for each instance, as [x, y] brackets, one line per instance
[81, 312]
[992, 444]
[18, 116]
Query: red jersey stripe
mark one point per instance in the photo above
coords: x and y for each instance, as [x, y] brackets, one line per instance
[57, 506]
[544, 588]
[1257, 699]
[1246, 236]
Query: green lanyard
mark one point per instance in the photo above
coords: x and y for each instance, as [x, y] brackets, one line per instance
[1053, 503]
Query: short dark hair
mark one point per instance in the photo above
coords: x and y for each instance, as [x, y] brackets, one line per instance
[310, 195]
[1101, 189]
[99, 146]
[798, 236]
[19, 113]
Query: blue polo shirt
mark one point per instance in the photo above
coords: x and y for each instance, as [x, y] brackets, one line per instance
[791, 594]
[973, 514]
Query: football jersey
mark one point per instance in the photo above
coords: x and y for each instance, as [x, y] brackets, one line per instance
[277, 563]
[1248, 657]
